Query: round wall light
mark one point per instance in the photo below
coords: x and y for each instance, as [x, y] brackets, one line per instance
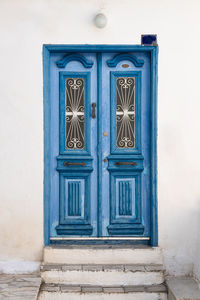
[100, 21]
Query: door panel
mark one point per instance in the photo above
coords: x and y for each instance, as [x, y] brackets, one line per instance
[74, 205]
[126, 173]
[73, 145]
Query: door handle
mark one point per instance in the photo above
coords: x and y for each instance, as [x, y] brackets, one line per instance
[66, 163]
[132, 163]
[93, 110]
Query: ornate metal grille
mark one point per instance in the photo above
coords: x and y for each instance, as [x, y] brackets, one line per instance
[125, 112]
[75, 113]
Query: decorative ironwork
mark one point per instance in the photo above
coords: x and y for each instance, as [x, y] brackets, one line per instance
[75, 113]
[125, 113]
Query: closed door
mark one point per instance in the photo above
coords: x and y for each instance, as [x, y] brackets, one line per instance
[100, 138]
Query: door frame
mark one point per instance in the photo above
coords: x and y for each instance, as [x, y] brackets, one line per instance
[153, 51]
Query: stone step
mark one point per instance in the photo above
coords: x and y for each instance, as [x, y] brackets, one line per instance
[19, 287]
[102, 255]
[183, 288]
[103, 275]
[75, 292]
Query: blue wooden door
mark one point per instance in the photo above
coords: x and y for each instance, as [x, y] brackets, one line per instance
[126, 149]
[73, 81]
[99, 145]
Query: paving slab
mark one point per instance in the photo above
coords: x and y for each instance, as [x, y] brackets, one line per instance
[19, 287]
[183, 288]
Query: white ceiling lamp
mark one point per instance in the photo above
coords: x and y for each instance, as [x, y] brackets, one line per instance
[100, 20]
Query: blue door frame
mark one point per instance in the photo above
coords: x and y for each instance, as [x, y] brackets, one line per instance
[99, 49]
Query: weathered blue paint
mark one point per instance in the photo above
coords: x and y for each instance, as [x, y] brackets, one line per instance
[99, 145]
[61, 173]
[153, 185]
[111, 243]
[74, 57]
[97, 48]
[75, 224]
[127, 224]
[46, 127]
[73, 173]
[74, 207]
[120, 57]
[140, 154]
[125, 195]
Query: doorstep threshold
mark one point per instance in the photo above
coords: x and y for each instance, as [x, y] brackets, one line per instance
[102, 254]
[101, 238]
[102, 241]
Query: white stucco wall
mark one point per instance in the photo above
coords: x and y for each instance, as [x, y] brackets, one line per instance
[24, 27]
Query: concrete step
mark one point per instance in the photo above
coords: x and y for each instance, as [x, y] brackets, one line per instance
[103, 275]
[75, 292]
[183, 288]
[102, 255]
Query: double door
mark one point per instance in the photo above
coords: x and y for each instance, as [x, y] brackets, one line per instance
[100, 145]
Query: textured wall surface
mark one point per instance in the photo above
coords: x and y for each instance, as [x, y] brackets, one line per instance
[24, 27]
